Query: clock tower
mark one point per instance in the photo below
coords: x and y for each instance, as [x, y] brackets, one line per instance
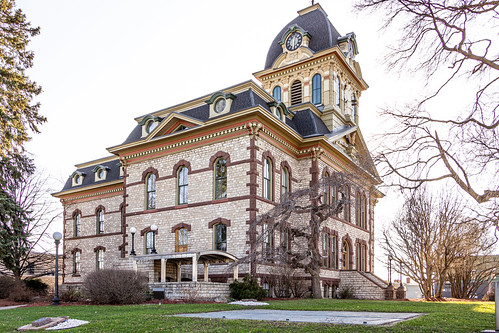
[311, 65]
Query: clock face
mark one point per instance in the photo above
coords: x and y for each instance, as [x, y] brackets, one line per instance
[294, 41]
[220, 105]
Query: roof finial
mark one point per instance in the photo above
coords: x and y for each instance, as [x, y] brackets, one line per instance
[312, 2]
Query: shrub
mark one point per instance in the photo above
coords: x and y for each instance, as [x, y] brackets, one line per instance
[113, 286]
[36, 286]
[248, 288]
[20, 293]
[71, 295]
[6, 285]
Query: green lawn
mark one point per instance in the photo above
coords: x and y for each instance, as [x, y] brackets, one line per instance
[441, 317]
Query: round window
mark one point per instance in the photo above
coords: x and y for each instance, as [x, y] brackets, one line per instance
[220, 105]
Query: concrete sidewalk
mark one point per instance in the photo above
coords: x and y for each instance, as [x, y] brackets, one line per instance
[11, 307]
[329, 317]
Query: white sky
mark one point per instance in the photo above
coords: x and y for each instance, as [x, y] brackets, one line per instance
[102, 63]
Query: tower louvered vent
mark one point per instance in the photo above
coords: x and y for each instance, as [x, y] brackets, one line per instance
[296, 93]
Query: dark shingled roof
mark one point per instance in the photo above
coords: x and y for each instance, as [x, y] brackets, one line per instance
[112, 174]
[307, 123]
[323, 34]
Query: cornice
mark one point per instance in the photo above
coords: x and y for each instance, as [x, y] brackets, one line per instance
[87, 188]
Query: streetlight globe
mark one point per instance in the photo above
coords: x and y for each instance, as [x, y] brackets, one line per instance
[133, 230]
[154, 227]
[57, 236]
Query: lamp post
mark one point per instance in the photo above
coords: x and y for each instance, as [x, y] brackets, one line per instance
[57, 238]
[153, 229]
[390, 258]
[133, 231]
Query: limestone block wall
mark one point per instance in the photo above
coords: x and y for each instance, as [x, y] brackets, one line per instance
[193, 290]
[89, 240]
[363, 286]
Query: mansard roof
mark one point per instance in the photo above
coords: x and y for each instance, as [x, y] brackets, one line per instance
[313, 20]
[112, 164]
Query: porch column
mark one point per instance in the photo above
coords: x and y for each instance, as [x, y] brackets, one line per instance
[195, 268]
[163, 270]
[236, 272]
[205, 272]
[179, 275]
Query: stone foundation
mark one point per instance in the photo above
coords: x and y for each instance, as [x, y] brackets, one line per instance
[192, 291]
[364, 285]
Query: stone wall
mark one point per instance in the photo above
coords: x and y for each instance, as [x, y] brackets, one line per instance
[364, 285]
[192, 291]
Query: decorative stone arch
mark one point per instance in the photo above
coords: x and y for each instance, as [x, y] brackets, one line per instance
[219, 220]
[148, 229]
[181, 163]
[269, 155]
[76, 211]
[348, 240]
[180, 226]
[149, 171]
[218, 155]
[100, 247]
[100, 207]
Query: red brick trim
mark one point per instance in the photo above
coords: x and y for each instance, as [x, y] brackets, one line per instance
[218, 155]
[73, 251]
[219, 220]
[99, 208]
[148, 171]
[180, 164]
[94, 236]
[99, 248]
[180, 226]
[76, 211]
[148, 229]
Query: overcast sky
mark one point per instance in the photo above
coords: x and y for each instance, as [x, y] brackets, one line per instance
[102, 63]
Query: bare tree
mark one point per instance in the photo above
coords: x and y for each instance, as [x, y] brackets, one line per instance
[430, 237]
[24, 240]
[447, 42]
[296, 223]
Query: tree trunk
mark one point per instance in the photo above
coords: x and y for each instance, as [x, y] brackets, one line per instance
[316, 286]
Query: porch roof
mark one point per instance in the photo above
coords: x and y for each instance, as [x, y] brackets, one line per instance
[210, 256]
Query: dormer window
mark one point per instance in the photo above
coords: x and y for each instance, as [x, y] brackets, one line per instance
[77, 178]
[279, 110]
[149, 124]
[100, 172]
[220, 103]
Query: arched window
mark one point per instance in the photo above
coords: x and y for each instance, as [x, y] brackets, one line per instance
[220, 178]
[149, 242]
[99, 258]
[77, 225]
[280, 114]
[363, 212]
[220, 237]
[327, 251]
[181, 240]
[358, 262]
[347, 203]
[363, 266]
[284, 184]
[182, 183]
[327, 189]
[334, 251]
[337, 88]
[76, 262]
[151, 125]
[268, 240]
[151, 191]
[358, 209]
[285, 241]
[345, 255]
[276, 93]
[100, 221]
[267, 179]
[317, 89]
[296, 92]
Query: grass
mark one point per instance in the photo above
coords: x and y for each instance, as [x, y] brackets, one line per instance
[440, 317]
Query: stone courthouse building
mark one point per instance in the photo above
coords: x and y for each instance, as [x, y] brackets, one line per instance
[175, 199]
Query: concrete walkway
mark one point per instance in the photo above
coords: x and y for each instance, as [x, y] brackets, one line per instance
[11, 307]
[329, 317]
